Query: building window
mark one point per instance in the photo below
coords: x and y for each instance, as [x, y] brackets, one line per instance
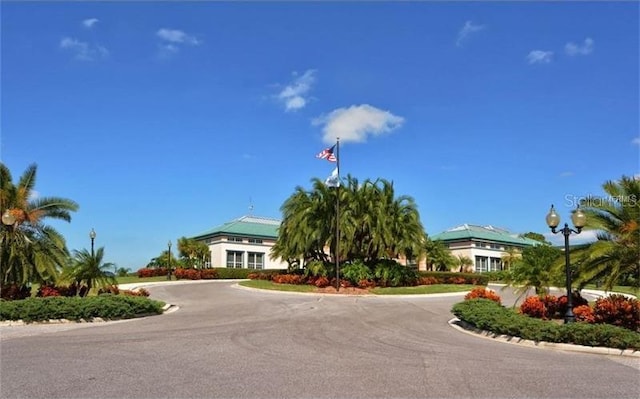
[234, 259]
[234, 239]
[255, 261]
[255, 241]
[495, 264]
[479, 244]
[482, 264]
[495, 246]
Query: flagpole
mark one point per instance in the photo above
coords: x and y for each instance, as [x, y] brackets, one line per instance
[338, 216]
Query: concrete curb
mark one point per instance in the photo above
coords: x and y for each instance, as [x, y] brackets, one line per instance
[508, 339]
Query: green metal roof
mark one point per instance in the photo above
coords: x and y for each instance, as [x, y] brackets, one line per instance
[483, 233]
[248, 226]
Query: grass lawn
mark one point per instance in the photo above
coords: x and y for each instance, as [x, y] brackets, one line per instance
[423, 289]
[268, 285]
[136, 279]
[617, 288]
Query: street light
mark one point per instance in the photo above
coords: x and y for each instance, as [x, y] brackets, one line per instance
[8, 219]
[169, 268]
[92, 235]
[579, 219]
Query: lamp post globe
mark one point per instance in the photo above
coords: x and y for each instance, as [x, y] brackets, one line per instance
[579, 220]
[92, 236]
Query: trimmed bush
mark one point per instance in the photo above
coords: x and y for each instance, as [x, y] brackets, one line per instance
[618, 310]
[584, 313]
[356, 272]
[231, 273]
[152, 272]
[287, 279]
[392, 274]
[577, 300]
[469, 278]
[108, 307]
[534, 307]
[488, 315]
[483, 293]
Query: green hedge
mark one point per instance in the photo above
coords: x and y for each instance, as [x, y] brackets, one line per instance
[445, 277]
[490, 316]
[108, 307]
[229, 273]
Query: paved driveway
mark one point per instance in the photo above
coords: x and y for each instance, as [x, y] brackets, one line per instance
[228, 342]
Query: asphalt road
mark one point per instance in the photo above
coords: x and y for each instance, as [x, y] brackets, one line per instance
[228, 342]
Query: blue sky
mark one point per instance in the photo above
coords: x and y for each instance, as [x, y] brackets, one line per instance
[165, 119]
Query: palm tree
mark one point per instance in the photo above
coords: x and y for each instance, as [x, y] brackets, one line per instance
[374, 224]
[438, 256]
[30, 251]
[616, 217]
[510, 256]
[535, 270]
[88, 269]
[465, 263]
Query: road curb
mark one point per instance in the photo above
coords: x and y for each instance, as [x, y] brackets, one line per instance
[509, 339]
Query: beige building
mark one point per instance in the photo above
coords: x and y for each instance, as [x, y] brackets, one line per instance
[243, 243]
[484, 245]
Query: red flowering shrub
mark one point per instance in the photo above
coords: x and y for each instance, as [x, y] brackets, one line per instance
[208, 274]
[551, 305]
[344, 283]
[188, 274]
[287, 279]
[618, 310]
[68, 291]
[364, 283]
[483, 293]
[428, 281]
[47, 290]
[151, 272]
[577, 299]
[534, 307]
[321, 282]
[456, 280]
[13, 292]
[584, 313]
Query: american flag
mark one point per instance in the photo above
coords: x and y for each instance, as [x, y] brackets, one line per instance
[327, 154]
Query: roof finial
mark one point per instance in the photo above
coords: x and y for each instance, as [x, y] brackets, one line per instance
[250, 207]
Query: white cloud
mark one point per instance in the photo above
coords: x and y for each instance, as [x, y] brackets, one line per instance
[177, 37]
[566, 174]
[294, 95]
[636, 141]
[356, 123]
[540, 57]
[468, 29]
[89, 22]
[83, 51]
[577, 49]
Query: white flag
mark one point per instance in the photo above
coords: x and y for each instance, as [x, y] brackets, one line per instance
[333, 180]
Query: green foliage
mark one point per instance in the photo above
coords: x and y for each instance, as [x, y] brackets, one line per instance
[355, 272]
[392, 274]
[450, 277]
[75, 308]
[438, 256]
[614, 257]
[30, 250]
[497, 276]
[374, 224]
[316, 268]
[231, 273]
[535, 236]
[88, 269]
[535, 269]
[193, 253]
[488, 315]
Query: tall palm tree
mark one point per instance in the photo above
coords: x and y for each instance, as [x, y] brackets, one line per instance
[88, 269]
[30, 251]
[616, 217]
[510, 256]
[465, 263]
[373, 223]
[438, 256]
